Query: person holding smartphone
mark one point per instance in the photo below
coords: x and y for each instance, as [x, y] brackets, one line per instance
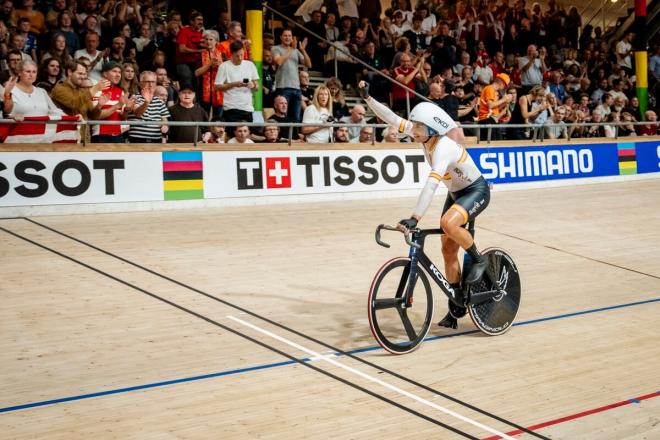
[237, 78]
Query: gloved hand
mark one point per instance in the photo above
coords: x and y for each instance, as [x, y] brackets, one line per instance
[409, 223]
[363, 87]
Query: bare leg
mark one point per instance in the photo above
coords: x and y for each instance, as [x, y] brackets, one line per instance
[450, 255]
[452, 223]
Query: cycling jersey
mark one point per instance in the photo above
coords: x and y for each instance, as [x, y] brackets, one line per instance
[450, 162]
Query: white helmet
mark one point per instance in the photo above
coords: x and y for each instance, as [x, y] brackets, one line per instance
[433, 117]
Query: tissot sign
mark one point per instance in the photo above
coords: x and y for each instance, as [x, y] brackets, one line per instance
[313, 172]
[57, 178]
[67, 178]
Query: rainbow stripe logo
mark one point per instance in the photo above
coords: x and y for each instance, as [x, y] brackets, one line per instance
[183, 175]
[627, 159]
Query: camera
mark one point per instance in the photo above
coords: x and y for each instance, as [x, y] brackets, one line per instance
[330, 119]
[245, 80]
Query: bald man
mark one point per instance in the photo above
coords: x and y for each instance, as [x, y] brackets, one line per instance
[356, 117]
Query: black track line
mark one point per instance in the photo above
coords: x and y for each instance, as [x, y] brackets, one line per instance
[243, 335]
[596, 260]
[296, 332]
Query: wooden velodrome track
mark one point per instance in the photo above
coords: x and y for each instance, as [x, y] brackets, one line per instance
[206, 324]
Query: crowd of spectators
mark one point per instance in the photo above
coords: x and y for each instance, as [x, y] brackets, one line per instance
[483, 61]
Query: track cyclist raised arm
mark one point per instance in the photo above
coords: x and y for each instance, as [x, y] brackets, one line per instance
[468, 195]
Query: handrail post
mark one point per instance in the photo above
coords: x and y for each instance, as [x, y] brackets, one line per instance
[334, 58]
[290, 135]
[196, 135]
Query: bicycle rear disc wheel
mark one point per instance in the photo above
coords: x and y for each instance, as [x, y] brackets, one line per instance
[496, 315]
[396, 327]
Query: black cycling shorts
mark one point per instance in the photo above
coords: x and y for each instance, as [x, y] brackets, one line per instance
[469, 201]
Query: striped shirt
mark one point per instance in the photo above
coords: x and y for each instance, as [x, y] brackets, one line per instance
[157, 111]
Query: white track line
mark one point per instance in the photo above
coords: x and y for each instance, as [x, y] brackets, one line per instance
[371, 378]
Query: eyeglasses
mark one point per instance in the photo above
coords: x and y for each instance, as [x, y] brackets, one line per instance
[149, 82]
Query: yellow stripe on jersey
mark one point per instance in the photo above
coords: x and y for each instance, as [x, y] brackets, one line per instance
[463, 156]
[462, 210]
[435, 175]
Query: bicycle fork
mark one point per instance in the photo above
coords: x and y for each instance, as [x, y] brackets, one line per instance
[412, 274]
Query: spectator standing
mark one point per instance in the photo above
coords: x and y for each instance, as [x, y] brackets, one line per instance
[306, 91]
[287, 80]
[189, 48]
[532, 67]
[237, 78]
[416, 35]
[212, 98]
[73, 98]
[114, 105]
[162, 79]
[22, 99]
[555, 127]
[623, 51]
[148, 108]
[235, 33]
[319, 112]
[187, 110]
[36, 18]
[491, 105]
[404, 74]
[92, 53]
[379, 86]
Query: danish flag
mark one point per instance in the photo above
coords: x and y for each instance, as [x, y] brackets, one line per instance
[31, 132]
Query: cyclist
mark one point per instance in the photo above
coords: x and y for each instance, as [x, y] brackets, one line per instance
[468, 195]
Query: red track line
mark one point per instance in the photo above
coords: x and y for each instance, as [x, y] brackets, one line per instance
[581, 414]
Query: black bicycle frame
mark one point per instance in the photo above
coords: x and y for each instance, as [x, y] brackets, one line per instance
[418, 257]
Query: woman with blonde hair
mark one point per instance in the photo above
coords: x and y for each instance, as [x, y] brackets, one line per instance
[319, 112]
[212, 98]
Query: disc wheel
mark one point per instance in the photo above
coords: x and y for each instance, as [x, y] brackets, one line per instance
[397, 327]
[496, 315]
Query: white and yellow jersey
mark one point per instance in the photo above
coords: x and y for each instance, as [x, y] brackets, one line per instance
[451, 164]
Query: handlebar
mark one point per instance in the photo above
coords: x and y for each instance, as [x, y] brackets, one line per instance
[406, 236]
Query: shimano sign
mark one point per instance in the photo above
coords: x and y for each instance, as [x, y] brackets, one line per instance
[522, 164]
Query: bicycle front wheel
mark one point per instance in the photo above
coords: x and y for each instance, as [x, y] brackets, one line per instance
[399, 327]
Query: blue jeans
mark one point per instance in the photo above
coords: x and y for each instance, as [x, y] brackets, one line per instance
[294, 98]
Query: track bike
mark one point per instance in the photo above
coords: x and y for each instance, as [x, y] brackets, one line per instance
[401, 299]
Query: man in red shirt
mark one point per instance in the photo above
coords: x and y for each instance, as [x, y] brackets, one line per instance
[112, 101]
[189, 48]
[405, 74]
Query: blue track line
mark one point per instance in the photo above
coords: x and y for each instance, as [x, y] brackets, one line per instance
[285, 363]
